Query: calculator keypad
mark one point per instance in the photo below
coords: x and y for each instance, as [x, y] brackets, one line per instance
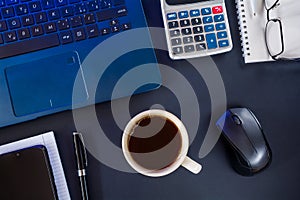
[198, 30]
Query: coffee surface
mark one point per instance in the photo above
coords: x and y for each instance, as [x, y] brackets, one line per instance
[155, 143]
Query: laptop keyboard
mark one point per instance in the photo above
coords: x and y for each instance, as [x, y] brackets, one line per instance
[30, 25]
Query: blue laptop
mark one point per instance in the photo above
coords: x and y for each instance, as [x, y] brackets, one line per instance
[64, 54]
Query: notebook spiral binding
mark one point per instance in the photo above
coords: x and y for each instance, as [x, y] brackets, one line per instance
[240, 9]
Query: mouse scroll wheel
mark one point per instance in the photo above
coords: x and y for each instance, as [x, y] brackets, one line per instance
[236, 120]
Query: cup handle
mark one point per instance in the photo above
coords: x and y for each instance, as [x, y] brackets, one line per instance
[191, 165]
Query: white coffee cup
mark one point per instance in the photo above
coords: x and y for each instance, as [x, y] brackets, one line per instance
[182, 158]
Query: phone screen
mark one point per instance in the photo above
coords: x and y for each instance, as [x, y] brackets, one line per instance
[26, 174]
[176, 2]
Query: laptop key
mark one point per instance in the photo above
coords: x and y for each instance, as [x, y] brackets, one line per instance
[27, 20]
[21, 9]
[115, 29]
[26, 46]
[14, 23]
[1, 39]
[50, 27]
[8, 12]
[104, 4]
[89, 18]
[67, 11]
[48, 4]
[126, 26]
[41, 17]
[75, 21]
[23, 33]
[2, 3]
[37, 30]
[63, 24]
[11, 2]
[92, 31]
[10, 36]
[35, 6]
[80, 8]
[106, 14]
[114, 22]
[93, 5]
[54, 14]
[3, 26]
[66, 37]
[79, 34]
[121, 11]
[105, 31]
[61, 2]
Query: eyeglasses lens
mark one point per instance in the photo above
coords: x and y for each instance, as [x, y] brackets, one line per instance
[274, 37]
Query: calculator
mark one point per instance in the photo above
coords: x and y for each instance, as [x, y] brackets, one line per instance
[196, 28]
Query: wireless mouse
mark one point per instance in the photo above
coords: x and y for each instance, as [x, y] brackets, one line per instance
[246, 138]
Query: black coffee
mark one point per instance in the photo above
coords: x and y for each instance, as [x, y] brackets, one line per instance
[155, 143]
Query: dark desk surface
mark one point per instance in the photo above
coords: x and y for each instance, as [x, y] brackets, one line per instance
[271, 90]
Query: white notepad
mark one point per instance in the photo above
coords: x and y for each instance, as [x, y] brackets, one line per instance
[252, 29]
[47, 140]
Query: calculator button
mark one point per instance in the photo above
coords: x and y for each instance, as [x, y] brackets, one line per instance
[187, 40]
[172, 16]
[174, 33]
[183, 14]
[219, 18]
[177, 50]
[220, 26]
[200, 47]
[186, 31]
[217, 9]
[184, 23]
[206, 11]
[195, 13]
[176, 41]
[211, 41]
[173, 24]
[196, 21]
[223, 43]
[189, 48]
[222, 34]
[207, 20]
[209, 28]
[198, 29]
[199, 38]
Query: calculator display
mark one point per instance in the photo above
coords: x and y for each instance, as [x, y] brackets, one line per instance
[176, 2]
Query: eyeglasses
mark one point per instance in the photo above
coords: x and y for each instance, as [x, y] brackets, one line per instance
[274, 32]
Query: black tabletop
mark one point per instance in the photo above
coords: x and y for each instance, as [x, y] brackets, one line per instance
[271, 90]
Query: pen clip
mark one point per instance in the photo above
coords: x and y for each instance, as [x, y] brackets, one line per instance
[84, 156]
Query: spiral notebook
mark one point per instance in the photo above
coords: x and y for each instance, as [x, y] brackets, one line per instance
[252, 31]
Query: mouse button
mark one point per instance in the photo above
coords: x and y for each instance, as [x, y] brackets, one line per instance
[236, 120]
[255, 135]
[255, 118]
[236, 136]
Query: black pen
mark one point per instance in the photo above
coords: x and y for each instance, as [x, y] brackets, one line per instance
[81, 163]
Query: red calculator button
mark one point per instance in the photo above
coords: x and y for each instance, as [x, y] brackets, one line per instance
[217, 9]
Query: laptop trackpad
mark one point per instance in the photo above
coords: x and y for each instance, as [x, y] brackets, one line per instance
[45, 84]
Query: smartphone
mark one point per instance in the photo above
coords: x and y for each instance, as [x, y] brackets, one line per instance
[27, 174]
[196, 28]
